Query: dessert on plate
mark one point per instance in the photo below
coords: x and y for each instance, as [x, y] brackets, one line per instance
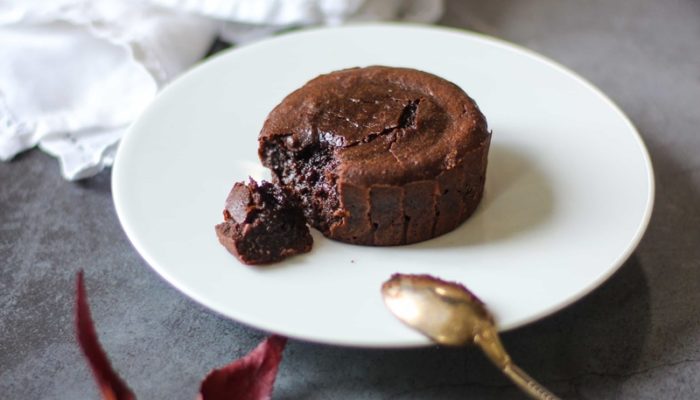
[376, 156]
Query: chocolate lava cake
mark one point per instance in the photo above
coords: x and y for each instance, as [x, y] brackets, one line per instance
[262, 224]
[379, 155]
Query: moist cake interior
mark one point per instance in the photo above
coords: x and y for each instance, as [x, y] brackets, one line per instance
[309, 167]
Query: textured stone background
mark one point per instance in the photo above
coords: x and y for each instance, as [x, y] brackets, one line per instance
[636, 337]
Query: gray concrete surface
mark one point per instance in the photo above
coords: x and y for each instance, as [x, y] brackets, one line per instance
[636, 337]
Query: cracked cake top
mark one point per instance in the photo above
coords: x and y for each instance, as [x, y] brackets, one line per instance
[384, 125]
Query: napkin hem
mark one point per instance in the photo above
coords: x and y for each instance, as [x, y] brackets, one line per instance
[16, 136]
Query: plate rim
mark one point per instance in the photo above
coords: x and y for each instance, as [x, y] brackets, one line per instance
[117, 180]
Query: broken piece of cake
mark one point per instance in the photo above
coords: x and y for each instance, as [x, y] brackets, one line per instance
[263, 224]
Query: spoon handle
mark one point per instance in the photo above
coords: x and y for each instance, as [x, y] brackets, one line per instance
[527, 384]
[490, 343]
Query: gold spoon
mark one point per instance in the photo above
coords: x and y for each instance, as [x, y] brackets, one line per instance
[449, 314]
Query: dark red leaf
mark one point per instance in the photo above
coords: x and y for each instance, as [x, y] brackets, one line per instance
[111, 385]
[249, 378]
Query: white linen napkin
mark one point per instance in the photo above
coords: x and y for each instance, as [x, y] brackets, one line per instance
[75, 73]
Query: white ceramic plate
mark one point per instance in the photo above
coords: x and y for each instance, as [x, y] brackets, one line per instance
[568, 196]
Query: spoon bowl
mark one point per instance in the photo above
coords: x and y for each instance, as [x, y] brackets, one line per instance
[444, 311]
